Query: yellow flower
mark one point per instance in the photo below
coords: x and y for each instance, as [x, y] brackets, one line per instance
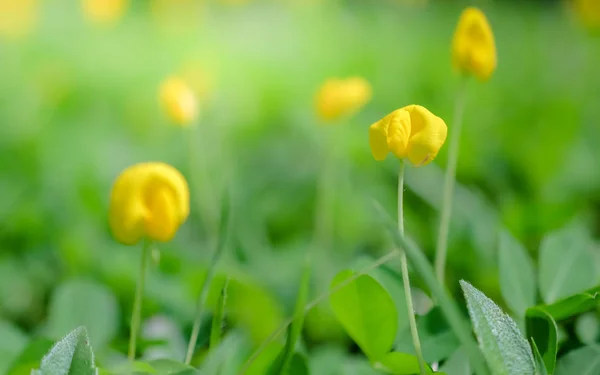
[17, 17]
[473, 47]
[149, 200]
[588, 11]
[179, 101]
[411, 132]
[338, 98]
[104, 11]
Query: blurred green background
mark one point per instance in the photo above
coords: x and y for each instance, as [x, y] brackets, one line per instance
[78, 104]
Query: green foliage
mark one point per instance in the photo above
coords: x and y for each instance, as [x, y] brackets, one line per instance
[366, 311]
[540, 365]
[541, 328]
[567, 265]
[84, 303]
[587, 328]
[399, 364]
[582, 361]
[517, 275]
[30, 357]
[573, 305]
[505, 350]
[12, 343]
[72, 355]
[457, 364]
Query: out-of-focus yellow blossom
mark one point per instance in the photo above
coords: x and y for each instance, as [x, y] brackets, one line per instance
[17, 17]
[178, 101]
[104, 11]
[338, 98]
[148, 200]
[473, 46]
[588, 11]
[410, 132]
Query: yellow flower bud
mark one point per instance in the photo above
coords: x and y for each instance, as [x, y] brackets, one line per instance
[179, 101]
[17, 17]
[149, 200]
[104, 11]
[473, 46]
[410, 132]
[338, 98]
[588, 12]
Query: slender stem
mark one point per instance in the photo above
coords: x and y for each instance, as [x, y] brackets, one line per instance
[309, 306]
[449, 181]
[412, 322]
[200, 306]
[137, 304]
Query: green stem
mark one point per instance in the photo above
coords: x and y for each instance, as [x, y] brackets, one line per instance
[449, 181]
[412, 322]
[200, 306]
[137, 304]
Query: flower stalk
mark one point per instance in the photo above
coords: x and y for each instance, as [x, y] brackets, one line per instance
[136, 316]
[405, 277]
[449, 182]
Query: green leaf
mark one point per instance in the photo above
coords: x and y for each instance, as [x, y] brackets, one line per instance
[298, 365]
[217, 320]
[72, 355]
[587, 328]
[227, 358]
[11, 345]
[171, 367]
[506, 351]
[567, 265]
[540, 366]
[84, 303]
[582, 361]
[573, 305]
[541, 328]
[457, 364]
[446, 303]
[281, 364]
[399, 364]
[366, 311]
[30, 357]
[517, 276]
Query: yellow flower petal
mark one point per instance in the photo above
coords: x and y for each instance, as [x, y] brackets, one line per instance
[148, 200]
[428, 136]
[179, 101]
[339, 98]
[473, 46]
[399, 132]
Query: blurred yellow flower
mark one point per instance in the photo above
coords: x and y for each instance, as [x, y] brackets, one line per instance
[17, 17]
[178, 101]
[338, 98]
[473, 46]
[588, 11]
[148, 200]
[410, 132]
[104, 11]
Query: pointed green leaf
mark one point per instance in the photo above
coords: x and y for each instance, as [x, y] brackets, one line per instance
[540, 366]
[517, 276]
[567, 265]
[217, 320]
[70, 356]
[574, 305]
[582, 361]
[399, 364]
[541, 328]
[366, 311]
[457, 364]
[506, 351]
[298, 365]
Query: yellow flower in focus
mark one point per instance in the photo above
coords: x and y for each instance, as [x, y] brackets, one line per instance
[149, 200]
[473, 46]
[104, 11]
[411, 132]
[338, 98]
[588, 11]
[179, 101]
[17, 17]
